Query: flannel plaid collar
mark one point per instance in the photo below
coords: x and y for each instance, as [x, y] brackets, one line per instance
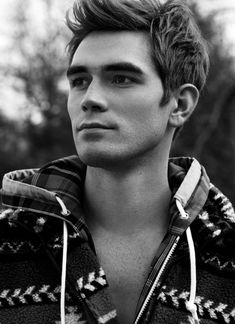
[35, 190]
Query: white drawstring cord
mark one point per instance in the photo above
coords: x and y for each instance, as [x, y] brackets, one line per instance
[64, 261]
[191, 303]
[65, 211]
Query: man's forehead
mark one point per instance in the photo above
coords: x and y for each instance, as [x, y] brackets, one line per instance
[104, 47]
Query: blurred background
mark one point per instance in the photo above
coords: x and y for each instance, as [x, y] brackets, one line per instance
[34, 126]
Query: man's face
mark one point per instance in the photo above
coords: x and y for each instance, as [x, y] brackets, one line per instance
[114, 99]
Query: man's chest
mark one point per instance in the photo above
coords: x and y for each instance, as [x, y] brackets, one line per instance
[126, 265]
[126, 277]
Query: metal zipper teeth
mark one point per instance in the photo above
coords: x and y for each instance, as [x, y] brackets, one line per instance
[150, 293]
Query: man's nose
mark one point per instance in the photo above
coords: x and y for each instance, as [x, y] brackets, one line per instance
[94, 98]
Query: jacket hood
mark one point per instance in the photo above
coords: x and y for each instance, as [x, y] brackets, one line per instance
[35, 190]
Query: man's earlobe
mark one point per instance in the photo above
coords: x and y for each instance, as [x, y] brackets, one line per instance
[184, 102]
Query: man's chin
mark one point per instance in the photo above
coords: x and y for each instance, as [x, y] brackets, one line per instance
[98, 159]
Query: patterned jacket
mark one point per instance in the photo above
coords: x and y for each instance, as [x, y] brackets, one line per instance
[44, 239]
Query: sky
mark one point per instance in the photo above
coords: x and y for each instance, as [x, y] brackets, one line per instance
[226, 16]
[6, 13]
[12, 103]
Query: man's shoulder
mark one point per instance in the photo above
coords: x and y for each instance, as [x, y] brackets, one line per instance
[215, 232]
[15, 240]
[28, 199]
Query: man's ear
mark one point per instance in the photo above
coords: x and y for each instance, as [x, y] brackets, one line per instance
[185, 100]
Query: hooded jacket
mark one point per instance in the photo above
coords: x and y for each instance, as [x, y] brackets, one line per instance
[49, 271]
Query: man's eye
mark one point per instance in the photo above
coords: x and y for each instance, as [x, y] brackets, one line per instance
[121, 79]
[80, 83]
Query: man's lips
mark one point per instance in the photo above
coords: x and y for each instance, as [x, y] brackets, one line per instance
[94, 125]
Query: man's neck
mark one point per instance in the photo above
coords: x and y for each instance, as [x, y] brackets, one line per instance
[125, 203]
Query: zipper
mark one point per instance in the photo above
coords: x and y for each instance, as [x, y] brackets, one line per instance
[147, 299]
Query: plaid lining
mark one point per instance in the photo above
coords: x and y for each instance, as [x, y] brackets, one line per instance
[63, 178]
[193, 207]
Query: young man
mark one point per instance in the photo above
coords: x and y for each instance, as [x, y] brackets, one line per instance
[110, 235]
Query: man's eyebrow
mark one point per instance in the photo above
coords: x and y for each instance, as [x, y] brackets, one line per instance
[120, 66]
[74, 69]
[123, 66]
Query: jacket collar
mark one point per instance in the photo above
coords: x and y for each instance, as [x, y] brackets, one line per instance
[35, 191]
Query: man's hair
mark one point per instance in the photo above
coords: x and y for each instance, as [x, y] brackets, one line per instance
[179, 51]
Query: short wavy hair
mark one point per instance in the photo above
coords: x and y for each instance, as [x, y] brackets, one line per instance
[179, 51]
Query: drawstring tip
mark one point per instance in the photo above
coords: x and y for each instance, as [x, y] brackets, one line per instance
[192, 308]
[193, 321]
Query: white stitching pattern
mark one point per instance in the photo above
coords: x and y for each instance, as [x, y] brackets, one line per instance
[204, 306]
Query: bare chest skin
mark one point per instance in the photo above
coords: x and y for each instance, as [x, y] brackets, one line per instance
[126, 263]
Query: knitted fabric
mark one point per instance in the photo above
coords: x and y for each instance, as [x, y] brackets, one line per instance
[31, 252]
